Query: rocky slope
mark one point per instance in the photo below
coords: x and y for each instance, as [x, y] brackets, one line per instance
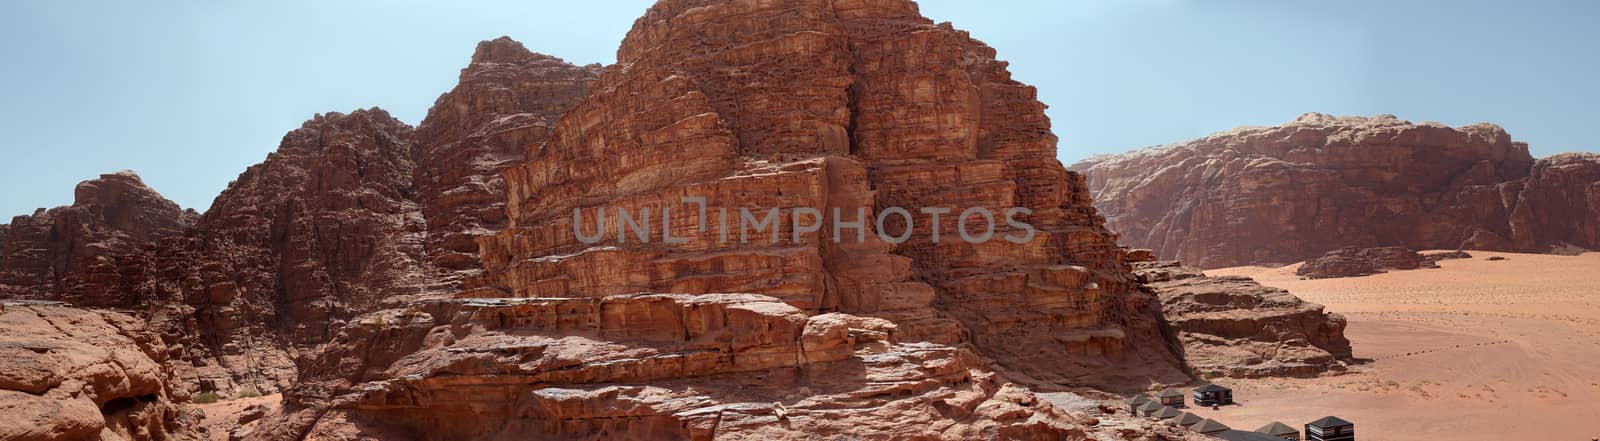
[342, 220]
[1287, 193]
[339, 221]
[830, 105]
[324, 229]
[1232, 326]
[83, 253]
[69, 373]
[340, 269]
[812, 104]
[506, 101]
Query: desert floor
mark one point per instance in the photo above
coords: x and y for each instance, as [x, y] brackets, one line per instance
[223, 416]
[1475, 350]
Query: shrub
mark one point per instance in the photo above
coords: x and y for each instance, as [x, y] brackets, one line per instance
[205, 398]
[247, 393]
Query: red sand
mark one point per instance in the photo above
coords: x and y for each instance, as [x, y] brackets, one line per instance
[1476, 350]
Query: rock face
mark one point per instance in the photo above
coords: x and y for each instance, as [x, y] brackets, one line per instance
[1234, 327]
[1354, 262]
[507, 100]
[84, 253]
[68, 373]
[1287, 193]
[1559, 206]
[818, 105]
[321, 231]
[833, 106]
[341, 265]
[339, 221]
[650, 366]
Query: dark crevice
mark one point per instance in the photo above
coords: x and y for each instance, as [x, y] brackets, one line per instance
[122, 404]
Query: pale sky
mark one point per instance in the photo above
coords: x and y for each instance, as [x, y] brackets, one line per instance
[188, 94]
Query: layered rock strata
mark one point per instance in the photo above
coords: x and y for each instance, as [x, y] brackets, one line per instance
[1232, 326]
[651, 366]
[339, 221]
[88, 253]
[830, 105]
[505, 102]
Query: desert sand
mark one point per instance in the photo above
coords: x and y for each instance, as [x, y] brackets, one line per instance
[222, 417]
[1474, 350]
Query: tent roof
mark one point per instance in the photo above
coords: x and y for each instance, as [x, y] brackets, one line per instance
[1151, 406]
[1168, 412]
[1211, 388]
[1208, 426]
[1187, 419]
[1277, 428]
[1137, 400]
[1330, 421]
[1169, 392]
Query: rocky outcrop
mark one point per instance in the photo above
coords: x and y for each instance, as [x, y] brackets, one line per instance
[69, 373]
[650, 366]
[836, 107]
[506, 102]
[831, 106]
[1558, 207]
[1288, 193]
[339, 221]
[1234, 327]
[1435, 257]
[321, 231]
[87, 253]
[340, 264]
[353, 213]
[1355, 262]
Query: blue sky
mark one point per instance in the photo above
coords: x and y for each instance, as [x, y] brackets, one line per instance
[189, 95]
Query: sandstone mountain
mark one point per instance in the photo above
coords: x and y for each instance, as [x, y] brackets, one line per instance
[76, 253]
[1287, 193]
[428, 283]
[339, 221]
[751, 105]
[342, 220]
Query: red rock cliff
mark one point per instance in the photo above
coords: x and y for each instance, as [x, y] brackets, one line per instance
[831, 104]
[506, 100]
[339, 221]
[1286, 193]
[85, 253]
[1559, 205]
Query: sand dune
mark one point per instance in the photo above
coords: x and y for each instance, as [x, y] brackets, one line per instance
[1475, 350]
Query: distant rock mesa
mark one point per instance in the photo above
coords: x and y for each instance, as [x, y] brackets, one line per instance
[1277, 195]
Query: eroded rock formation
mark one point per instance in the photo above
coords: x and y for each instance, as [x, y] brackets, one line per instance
[830, 105]
[1288, 193]
[507, 99]
[652, 366]
[812, 104]
[321, 231]
[1558, 207]
[1232, 326]
[86, 253]
[1354, 262]
[69, 373]
[341, 265]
